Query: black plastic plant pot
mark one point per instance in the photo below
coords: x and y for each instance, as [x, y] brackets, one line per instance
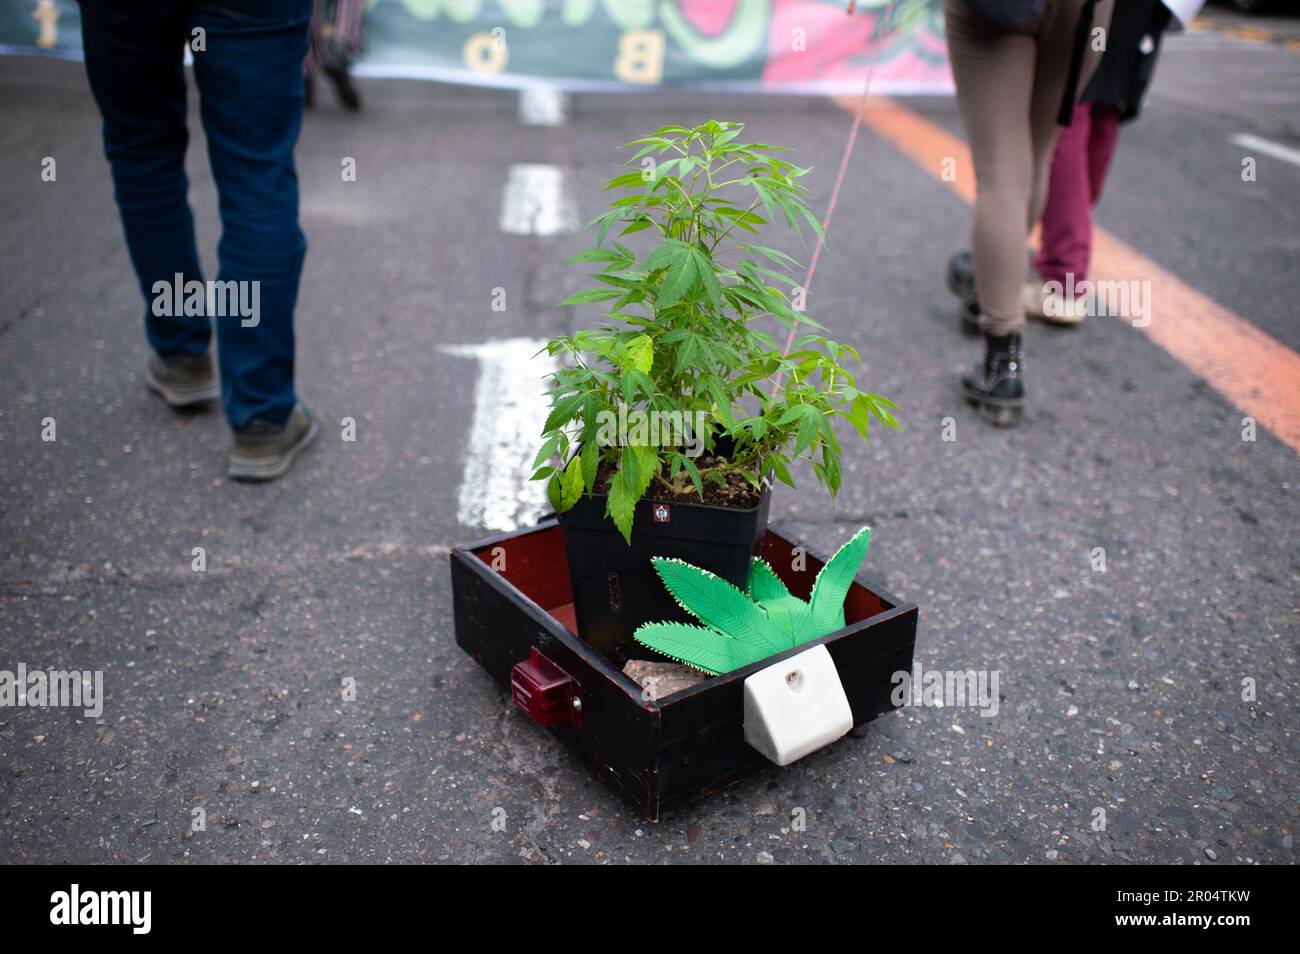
[615, 587]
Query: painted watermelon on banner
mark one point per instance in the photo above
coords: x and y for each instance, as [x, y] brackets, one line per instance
[813, 44]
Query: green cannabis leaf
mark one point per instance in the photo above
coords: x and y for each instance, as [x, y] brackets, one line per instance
[740, 628]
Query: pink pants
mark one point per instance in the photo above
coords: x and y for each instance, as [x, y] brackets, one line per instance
[1009, 89]
[1079, 165]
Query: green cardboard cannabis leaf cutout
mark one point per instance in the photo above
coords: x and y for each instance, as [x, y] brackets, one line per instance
[742, 628]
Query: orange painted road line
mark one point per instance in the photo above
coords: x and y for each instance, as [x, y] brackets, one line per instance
[1250, 368]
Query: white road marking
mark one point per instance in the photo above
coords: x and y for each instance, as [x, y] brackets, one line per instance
[510, 408]
[1268, 148]
[538, 201]
[542, 106]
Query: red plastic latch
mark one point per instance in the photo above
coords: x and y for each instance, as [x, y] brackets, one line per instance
[545, 692]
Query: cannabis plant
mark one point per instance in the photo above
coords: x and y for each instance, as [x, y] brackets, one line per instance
[686, 339]
[742, 628]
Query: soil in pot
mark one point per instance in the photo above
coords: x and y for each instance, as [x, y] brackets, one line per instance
[737, 492]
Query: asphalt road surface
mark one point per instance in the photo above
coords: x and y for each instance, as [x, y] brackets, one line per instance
[1126, 694]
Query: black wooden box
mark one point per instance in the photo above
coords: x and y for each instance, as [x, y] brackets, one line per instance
[517, 622]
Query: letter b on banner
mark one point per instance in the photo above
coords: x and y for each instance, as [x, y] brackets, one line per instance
[640, 57]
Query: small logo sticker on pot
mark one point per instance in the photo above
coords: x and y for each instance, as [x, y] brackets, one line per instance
[662, 513]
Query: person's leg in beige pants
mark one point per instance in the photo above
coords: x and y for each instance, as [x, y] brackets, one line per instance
[1009, 88]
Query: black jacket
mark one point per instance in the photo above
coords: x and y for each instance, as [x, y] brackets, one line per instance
[1132, 45]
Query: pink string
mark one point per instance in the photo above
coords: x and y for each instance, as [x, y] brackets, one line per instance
[844, 165]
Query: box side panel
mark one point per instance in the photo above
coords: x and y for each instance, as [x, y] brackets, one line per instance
[534, 563]
[703, 745]
[619, 734]
[798, 567]
[792, 562]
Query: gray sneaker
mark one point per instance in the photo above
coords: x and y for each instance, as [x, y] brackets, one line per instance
[183, 379]
[264, 452]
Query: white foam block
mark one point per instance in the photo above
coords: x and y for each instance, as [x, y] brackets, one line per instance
[796, 706]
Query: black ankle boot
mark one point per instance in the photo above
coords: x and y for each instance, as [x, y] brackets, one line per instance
[343, 88]
[996, 386]
[961, 282]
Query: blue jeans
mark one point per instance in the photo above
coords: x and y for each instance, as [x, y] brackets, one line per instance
[249, 75]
